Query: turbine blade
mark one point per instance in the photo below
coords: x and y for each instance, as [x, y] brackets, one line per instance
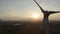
[39, 6]
[54, 12]
[40, 27]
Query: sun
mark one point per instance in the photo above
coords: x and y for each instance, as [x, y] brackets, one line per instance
[35, 15]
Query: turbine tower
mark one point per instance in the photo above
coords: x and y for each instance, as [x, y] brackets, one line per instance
[45, 18]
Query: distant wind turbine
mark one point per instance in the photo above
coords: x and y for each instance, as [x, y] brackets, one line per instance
[45, 19]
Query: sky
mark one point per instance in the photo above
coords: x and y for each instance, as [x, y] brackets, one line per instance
[23, 9]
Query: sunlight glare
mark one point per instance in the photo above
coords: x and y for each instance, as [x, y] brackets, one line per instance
[35, 15]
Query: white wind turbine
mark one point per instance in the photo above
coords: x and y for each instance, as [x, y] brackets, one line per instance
[45, 19]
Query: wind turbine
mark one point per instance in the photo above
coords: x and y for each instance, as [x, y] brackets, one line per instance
[45, 19]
